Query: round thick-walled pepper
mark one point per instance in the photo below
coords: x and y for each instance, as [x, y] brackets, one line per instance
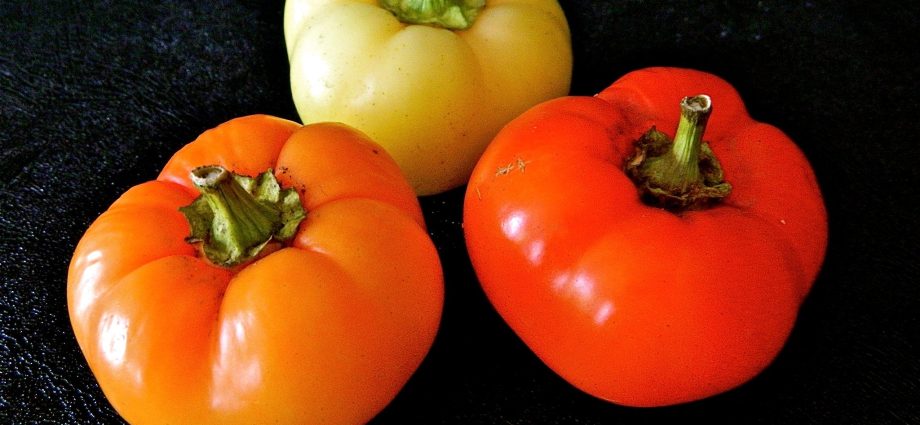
[272, 273]
[644, 271]
[432, 81]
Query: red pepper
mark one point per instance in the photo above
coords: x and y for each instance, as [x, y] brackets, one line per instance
[642, 271]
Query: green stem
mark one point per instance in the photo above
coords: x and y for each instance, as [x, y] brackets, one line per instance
[235, 216]
[688, 139]
[683, 174]
[450, 14]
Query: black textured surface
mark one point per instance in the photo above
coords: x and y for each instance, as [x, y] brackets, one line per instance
[95, 96]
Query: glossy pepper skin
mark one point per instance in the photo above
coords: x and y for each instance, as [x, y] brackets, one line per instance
[633, 303]
[324, 328]
[432, 96]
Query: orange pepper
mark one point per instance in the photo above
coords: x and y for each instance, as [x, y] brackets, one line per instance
[325, 323]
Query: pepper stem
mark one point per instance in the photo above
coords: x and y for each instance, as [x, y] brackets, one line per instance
[683, 174]
[694, 114]
[450, 14]
[236, 216]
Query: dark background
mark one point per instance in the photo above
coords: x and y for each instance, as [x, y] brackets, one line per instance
[95, 96]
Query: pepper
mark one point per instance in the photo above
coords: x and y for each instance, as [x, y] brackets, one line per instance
[432, 81]
[651, 244]
[256, 280]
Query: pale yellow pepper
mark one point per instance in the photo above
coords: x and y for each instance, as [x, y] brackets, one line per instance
[434, 85]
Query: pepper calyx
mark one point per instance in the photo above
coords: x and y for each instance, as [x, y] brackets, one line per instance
[449, 14]
[682, 174]
[235, 217]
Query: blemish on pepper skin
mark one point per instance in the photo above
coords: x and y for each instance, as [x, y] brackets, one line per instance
[521, 164]
[518, 163]
[781, 221]
[504, 170]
